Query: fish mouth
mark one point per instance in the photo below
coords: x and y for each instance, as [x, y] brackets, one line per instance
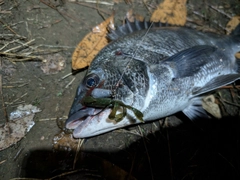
[78, 117]
[89, 122]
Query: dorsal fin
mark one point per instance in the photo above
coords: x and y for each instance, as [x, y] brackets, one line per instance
[130, 27]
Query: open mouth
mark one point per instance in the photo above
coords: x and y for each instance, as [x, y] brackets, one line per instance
[85, 115]
[80, 116]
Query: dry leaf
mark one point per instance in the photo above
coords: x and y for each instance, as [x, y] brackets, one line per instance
[91, 44]
[237, 55]
[171, 11]
[21, 121]
[211, 107]
[232, 24]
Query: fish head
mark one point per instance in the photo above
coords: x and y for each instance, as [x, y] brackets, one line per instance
[105, 75]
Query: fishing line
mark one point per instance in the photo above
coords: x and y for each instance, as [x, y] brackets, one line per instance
[127, 66]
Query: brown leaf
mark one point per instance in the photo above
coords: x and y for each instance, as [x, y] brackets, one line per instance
[20, 122]
[232, 24]
[171, 11]
[91, 44]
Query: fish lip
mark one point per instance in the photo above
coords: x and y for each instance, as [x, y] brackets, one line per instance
[78, 117]
[101, 116]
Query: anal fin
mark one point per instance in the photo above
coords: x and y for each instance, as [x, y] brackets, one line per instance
[195, 109]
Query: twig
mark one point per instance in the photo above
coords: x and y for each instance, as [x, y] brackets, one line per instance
[25, 179]
[80, 142]
[93, 7]
[56, 9]
[1, 93]
[17, 154]
[52, 119]
[21, 85]
[17, 99]
[67, 75]
[66, 173]
[12, 35]
[1, 2]
[237, 105]
[230, 87]
[146, 6]
[16, 103]
[8, 27]
[149, 161]
[229, 163]
[170, 157]
[25, 44]
[133, 162]
[8, 44]
[16, 82]
[51, 46]
[21, 57]
[220, 11]
[70, 83]
[134, 132]
[27, 29]
[97, 2]
[48, 4]
[99, 12]
[3, 161]
[38, 78]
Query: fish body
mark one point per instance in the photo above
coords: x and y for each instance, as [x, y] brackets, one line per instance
[160, 72]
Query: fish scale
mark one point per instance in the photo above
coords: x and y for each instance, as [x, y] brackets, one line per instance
[159, 72]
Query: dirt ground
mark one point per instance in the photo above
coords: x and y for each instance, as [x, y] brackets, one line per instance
[201, 150]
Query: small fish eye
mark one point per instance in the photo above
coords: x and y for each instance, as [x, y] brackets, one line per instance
[92, 81]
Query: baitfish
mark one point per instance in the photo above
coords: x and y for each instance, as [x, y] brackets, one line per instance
[158, 71]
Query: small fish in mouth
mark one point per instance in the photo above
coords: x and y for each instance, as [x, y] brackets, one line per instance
[169, 71]
[90, 101]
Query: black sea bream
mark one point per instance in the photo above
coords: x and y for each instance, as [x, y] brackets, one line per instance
[160, 72]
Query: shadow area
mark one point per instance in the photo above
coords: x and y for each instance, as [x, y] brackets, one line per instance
[189, 151]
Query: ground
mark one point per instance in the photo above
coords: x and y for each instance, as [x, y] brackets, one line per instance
[201, 150]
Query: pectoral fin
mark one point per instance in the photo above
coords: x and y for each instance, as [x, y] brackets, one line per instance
[188, 62]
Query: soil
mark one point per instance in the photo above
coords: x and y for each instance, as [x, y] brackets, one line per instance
[207, 149]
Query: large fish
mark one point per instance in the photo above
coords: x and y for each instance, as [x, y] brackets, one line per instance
[159, 71]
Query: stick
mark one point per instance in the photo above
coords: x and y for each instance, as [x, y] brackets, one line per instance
[149, 161]
[80, 143]
[70, 83]
[1, 93]
[25, 44]
[21, 56]
[8, 27]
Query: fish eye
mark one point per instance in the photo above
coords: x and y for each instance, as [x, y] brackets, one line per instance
[92, 80]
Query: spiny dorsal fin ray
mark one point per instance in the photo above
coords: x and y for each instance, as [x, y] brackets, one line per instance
[130, 27]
